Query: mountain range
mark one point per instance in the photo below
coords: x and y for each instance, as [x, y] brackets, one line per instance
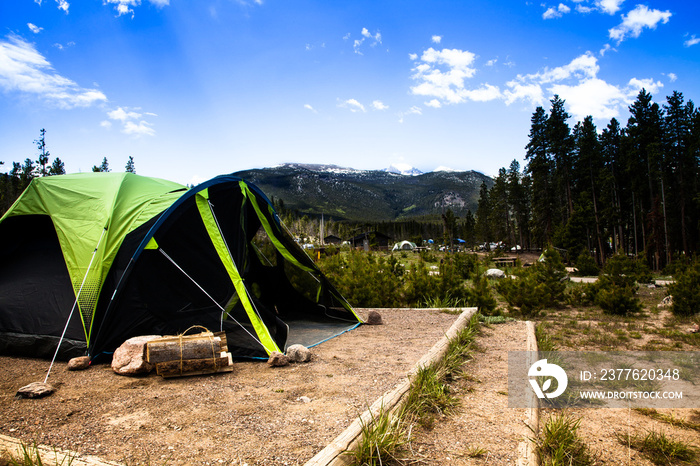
[369, 195]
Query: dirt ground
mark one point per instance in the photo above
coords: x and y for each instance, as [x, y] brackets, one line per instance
[256, 415]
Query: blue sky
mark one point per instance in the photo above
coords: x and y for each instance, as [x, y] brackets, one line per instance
[193, 89]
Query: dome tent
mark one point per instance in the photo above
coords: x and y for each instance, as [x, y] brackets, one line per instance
[404, 246]
[148, 256]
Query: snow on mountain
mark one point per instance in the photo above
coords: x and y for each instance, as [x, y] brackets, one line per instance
[403, 169]
[444, 169]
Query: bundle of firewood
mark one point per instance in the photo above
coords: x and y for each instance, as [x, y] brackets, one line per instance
[182, 355]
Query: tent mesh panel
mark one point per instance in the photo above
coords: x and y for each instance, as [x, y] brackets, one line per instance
[87, 300]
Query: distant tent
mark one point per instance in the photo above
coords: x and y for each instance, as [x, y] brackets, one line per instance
[148, 256]
[404, 246]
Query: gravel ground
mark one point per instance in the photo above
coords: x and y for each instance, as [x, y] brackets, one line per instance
[256, 414]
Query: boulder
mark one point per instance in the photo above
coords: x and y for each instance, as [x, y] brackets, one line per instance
[374, 318]
[666, 302]
[35, 390]
[495, 273]
[130, 357]
[298, 353]
[78, 364]
[277, 359]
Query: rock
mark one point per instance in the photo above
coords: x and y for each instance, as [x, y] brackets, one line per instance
[374, 318]
[35, 390]
[304, 399]
[130, 357]
[694, 329]
[298, 353]
[666, 302]
[78, 364]
[495, 273]
[277, 359]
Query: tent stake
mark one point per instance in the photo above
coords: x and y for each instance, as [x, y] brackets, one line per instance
[75, 303]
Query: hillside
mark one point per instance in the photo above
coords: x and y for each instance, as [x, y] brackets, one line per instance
[372, 195]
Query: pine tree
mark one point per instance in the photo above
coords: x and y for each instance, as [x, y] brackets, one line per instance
[130, 167]
[43, 153]
[560, 146]
[644, 137]
[104, 167]
[540, 168]
[57, 167]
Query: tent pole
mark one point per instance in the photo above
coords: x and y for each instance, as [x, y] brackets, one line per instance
[75, 303]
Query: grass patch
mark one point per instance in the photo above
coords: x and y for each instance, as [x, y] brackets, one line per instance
[29, 455]
[382, 439]
[669, 419]
[559, 443]
[660, 449]
[494, 320]
[429, 395]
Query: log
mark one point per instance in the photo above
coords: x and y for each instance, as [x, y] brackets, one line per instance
[202, 346]
[179, 368]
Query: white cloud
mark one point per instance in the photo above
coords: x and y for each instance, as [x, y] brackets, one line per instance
[413, 56]
[379, 105]
[433, 103]
[131, 122]
[142, 128]
[692, 41]
[609, 6]
[62, 47]
[635, 85]
[106, 124]
[672, 77]
[34, 28]
[441, 74]
[125, 7]
[492, 62]
[556, 12]
[411, 111]
[591, 97]
[436, 39]
[605, 50]
[63, 5]
[578, 84]
[24, 70]
[122, 114]
[353, 105]
[375, 38]
[309, 107]
[636, 20]
[523, 91]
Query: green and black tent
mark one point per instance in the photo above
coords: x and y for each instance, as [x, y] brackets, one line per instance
[93, 259]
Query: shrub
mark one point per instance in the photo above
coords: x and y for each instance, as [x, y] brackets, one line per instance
[522, 293]
[586, 265]
[616, 287]
[686, 299]
[481, 297]
[539, 287]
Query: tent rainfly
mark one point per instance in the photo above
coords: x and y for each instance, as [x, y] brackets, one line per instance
[101, 257]
[404, 246]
